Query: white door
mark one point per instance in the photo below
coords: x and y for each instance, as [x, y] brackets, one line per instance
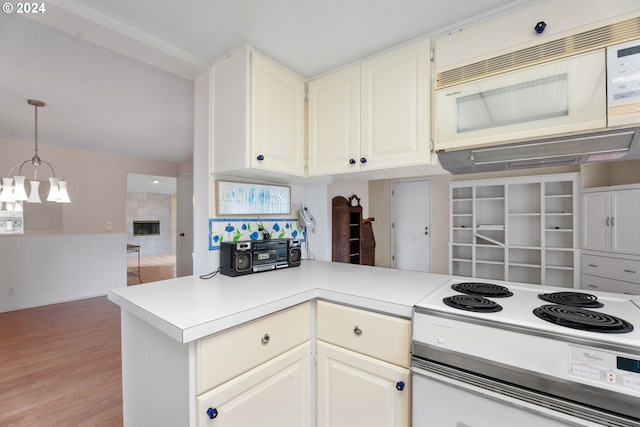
[624, 223]
[184, 220]
[411, 225]
[275, 394]
[596, 231]
[357, 390]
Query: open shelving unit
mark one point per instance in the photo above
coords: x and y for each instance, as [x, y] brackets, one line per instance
[516, 229]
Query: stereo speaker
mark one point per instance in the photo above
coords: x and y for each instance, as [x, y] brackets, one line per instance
[294, 257]
[235, 258]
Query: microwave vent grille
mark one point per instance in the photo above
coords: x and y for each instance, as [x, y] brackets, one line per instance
[586, 41]
[546, 152]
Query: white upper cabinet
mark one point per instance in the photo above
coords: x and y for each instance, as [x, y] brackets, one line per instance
[395, 108]
[334, 122]
[370, 116]
[596, 235]
[611, 221]
[258, 115]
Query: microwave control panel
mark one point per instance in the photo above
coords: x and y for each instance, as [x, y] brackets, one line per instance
[623, 73]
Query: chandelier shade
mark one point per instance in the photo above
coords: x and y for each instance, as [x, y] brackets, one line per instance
[15, 193]
[34, 195]
[7, 190]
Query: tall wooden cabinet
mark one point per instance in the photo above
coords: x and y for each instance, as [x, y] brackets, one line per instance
[352, 238]
[520, 229]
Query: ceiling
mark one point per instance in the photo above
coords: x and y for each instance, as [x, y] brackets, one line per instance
[118, 76]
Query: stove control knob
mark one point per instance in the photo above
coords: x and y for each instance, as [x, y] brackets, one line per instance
[400, 385]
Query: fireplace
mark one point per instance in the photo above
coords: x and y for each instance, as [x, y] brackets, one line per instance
[146, 228]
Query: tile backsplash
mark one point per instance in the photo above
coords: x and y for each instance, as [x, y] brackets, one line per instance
[234, 229]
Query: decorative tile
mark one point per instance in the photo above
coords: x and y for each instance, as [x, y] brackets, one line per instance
[234, 229]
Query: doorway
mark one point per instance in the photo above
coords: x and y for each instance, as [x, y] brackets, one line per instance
[151, 199]
[411, 225]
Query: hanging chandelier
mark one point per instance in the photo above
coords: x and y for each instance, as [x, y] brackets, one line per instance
[13, 189]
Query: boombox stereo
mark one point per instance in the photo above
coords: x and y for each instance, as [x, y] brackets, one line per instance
[246, 257]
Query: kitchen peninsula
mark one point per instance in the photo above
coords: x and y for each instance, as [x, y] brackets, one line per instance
[168, 327]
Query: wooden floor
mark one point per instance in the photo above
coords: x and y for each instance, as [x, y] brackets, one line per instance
[152, 268]
[61, 365]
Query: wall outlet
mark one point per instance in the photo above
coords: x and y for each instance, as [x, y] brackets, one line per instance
[109, 225]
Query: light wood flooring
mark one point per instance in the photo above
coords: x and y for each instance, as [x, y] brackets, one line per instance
[152, 268]
[61, 364]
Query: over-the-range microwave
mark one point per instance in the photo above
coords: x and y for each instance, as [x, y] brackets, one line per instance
[484, 124]
[556, 97]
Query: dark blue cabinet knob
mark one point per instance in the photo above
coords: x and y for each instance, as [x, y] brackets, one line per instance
[212, 412]
[260, 157]
[363, 160]
[352, 161]
[540, 26]
[400, 385]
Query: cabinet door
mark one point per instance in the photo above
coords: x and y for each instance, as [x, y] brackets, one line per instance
[277, 118]
[395, 108]
[596, 232]
[625, 227]
[357, 390]
[276, 393]
[334, 123]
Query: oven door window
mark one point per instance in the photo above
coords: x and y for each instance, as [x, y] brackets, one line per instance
[446, 402]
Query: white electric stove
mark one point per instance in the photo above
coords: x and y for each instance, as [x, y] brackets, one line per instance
[572, 358]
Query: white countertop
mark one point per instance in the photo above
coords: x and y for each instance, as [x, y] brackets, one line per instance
[188, 308]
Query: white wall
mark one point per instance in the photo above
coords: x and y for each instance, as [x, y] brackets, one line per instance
[86, 259]
[97, 182]
[47, 269]
[201, 178]
[316, 198]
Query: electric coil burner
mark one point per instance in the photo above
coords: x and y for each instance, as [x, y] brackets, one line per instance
[582, 319]
[474, 303]
[574, 299]
[543, 357]
[483, 289]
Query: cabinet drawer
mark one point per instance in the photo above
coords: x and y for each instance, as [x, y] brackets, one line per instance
[611, 268]
[593, 283]
[229, 354]
[377, 335]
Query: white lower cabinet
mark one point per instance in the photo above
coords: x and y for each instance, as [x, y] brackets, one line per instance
[275, 394]
[272, 372]
[363, 368]
[358, 390]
